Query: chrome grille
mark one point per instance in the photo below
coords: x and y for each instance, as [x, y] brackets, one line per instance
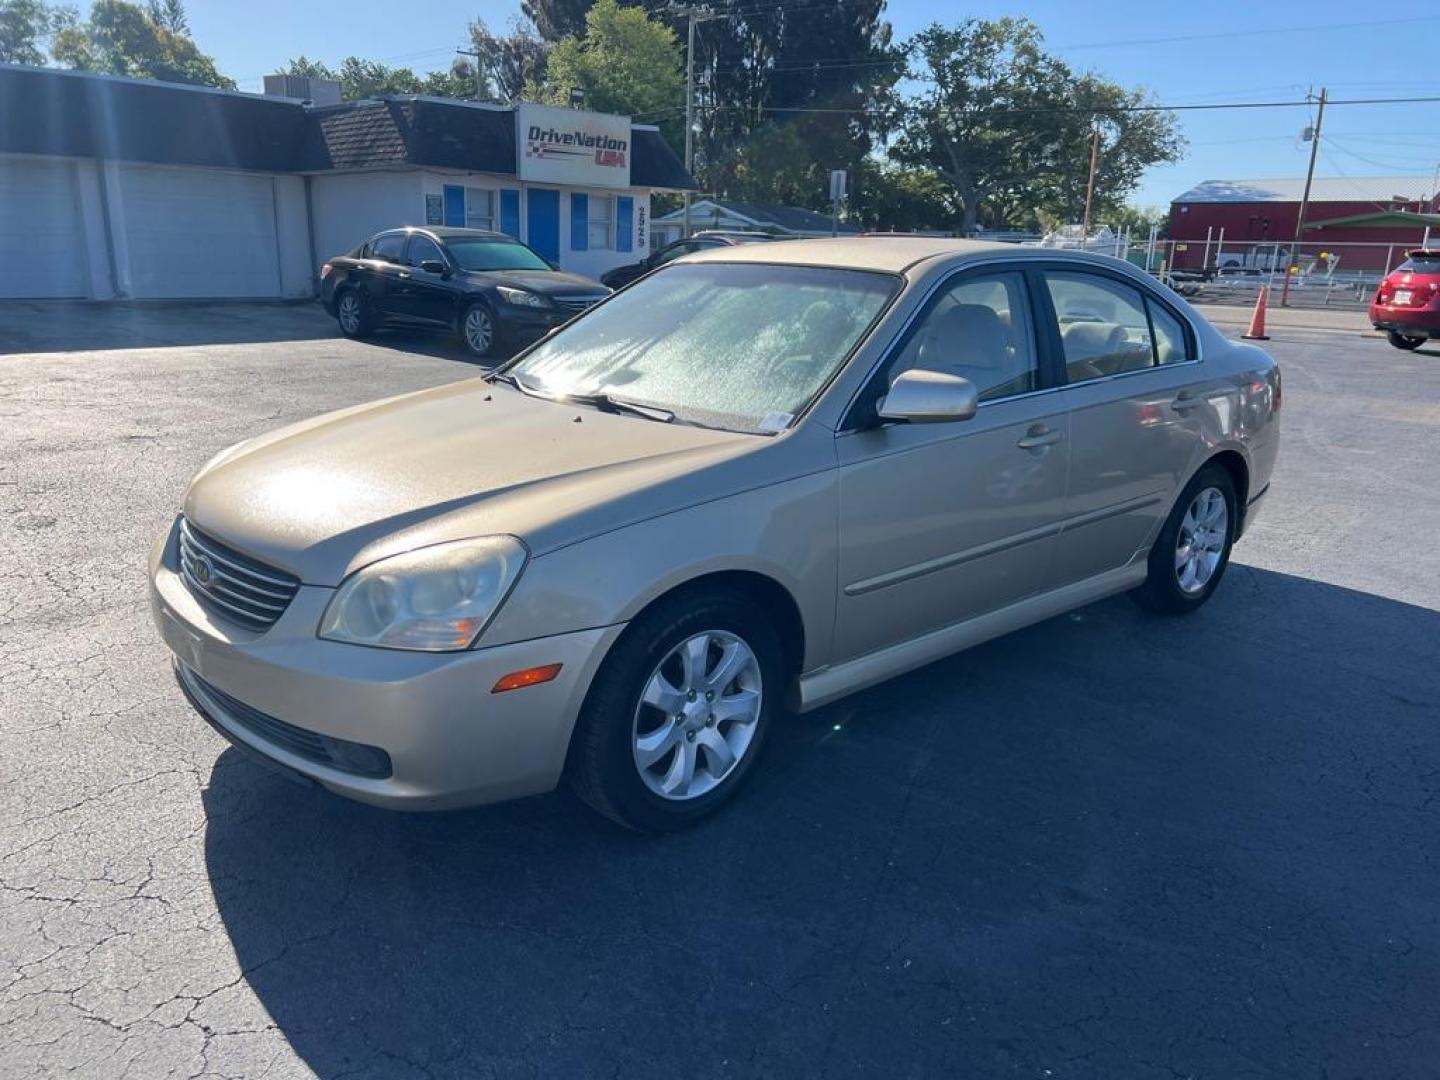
[235, 586]
[573, 305]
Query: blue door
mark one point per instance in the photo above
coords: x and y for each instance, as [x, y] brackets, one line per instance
[543, 227]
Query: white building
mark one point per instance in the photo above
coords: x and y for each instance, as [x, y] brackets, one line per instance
[128, 188]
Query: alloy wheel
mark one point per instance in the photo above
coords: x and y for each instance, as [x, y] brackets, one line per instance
[479, 330]
[350, 313]
[1200, 545]
[697, 715]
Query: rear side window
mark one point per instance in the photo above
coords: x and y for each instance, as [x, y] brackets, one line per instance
[1108, 327]
[1171, 345]
[388, 247]
[1420, 264]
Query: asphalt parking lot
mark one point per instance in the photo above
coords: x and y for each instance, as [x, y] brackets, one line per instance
[1111, 845]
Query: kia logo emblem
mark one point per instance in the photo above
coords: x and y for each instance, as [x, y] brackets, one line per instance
[204, 570]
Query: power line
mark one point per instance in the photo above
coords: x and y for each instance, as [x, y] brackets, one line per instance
[1091, 109]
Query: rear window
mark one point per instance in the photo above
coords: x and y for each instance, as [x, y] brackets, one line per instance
[1420, 264]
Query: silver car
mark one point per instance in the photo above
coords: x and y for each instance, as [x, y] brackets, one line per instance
[760, 479]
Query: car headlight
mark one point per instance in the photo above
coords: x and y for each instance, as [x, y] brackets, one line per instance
[521, 297]
[433, 599]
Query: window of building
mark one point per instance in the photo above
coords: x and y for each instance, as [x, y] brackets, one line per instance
[479, 208]
[601, 223]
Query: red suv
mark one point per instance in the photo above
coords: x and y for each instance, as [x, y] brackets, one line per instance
[1407, 304]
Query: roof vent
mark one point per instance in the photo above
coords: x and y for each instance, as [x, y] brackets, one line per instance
[306, 88]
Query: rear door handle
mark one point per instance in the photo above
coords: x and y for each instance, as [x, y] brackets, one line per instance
[1039, 438]
[403, 274]
[1186, 401]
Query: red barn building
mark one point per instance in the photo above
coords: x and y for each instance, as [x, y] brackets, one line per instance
[1257, 214]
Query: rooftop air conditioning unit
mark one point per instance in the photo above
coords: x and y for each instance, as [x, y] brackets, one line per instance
[304, 87]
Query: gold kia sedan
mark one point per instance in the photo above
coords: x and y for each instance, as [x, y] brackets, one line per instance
[755, 481]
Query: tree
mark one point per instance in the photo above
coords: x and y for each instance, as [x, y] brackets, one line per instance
[887, 197]
[1008, 126]
[508, 63]
[24, 27]
[120, 38]
[170, 14]
[555, 20]
[626, 63]
[824, 71]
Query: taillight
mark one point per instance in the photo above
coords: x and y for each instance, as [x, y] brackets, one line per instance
[1275, 397]
[325, 271]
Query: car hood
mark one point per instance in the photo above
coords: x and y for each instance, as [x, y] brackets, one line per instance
[326, 496]
[547, 282]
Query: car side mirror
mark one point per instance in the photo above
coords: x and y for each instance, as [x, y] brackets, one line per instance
[434, 266]
[928, 397]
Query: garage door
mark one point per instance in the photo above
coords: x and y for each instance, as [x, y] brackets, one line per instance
[197, 232]
[42, 247]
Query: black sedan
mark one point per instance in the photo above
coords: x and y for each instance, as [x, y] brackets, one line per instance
[487, 287]
[701, 241]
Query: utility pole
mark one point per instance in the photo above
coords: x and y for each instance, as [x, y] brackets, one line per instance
[479, 74]
[1304, 200]
[693, 15]
[1090, 184]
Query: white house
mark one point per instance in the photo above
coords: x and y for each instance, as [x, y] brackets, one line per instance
[129, 188]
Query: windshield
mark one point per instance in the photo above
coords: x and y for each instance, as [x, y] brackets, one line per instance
[736, 345]
[478, 253]
[1420, 264]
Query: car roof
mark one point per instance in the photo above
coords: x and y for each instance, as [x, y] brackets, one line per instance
[891, 253]
[446, 232]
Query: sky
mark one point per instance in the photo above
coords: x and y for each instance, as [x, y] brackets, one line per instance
[1185, 54]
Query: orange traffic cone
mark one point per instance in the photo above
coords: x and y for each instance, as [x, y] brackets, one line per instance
[1257, 320]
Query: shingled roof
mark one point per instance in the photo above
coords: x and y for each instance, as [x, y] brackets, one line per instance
[46, 111]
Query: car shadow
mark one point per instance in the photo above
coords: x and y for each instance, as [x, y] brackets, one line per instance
[42, 326]
[441, 344]
[1134, 844]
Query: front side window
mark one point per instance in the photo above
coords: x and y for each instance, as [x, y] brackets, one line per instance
[600, 222]
[979, 329]
[1103, 326]
[423, 249]
[479, 209]
[480, 253]
[389, 247]
[741, 346]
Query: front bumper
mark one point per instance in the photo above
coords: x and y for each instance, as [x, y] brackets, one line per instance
[449, 741]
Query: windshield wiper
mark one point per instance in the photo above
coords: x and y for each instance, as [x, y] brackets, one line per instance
[607, 402]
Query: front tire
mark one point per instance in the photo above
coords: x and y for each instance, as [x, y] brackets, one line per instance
[676, 718]
[1191, 553]
[477, 330]
[1402, 341]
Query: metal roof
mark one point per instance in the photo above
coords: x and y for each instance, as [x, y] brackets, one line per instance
[1381, 189]
[1383, 219]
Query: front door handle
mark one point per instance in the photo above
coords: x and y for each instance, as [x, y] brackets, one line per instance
[1186, 401]
[1039, 437]
[403, 274]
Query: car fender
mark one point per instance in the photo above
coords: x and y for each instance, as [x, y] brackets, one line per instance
[785, 532]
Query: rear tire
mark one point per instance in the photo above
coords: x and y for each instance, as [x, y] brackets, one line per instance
[1190, 555]
[353, 314]
[656, 749]
[1402, 341]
